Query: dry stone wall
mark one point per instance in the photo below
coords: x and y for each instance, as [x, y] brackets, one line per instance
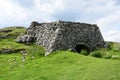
[61, 35]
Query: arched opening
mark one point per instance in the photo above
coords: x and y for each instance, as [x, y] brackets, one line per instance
[79, 48]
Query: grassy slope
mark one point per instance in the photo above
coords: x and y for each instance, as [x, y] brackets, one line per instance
[15, 31]
[63, 65]
[10, 44]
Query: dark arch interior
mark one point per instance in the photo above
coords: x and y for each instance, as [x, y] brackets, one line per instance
[79, 48]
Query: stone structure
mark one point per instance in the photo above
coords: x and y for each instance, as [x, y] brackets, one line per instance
[61, 35]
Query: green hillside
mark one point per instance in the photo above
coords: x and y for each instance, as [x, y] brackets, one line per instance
[12, 32]
[102, 64]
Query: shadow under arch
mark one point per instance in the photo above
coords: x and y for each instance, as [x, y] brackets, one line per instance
[81, 47]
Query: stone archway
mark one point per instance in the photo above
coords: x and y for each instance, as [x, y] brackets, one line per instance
[80, 47]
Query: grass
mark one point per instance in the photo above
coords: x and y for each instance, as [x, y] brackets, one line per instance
[112, 52]
[61, 66]
[15, 31]
[11, 44]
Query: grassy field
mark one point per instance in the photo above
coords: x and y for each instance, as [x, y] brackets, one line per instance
[61, 66]
[102, 64]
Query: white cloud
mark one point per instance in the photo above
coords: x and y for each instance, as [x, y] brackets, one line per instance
[48, 5]
[109, 24]
[112, 35]
[10, 9]
[11, 13]
[45, 9]
[112, 18]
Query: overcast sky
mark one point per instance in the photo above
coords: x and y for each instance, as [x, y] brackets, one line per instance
[104, 13]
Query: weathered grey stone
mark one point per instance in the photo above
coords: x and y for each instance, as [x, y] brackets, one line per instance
[18, 40]
[61, 35]
[27, 39]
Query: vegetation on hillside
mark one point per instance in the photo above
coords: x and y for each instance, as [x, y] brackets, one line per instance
[111, 52]
[12, 32]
